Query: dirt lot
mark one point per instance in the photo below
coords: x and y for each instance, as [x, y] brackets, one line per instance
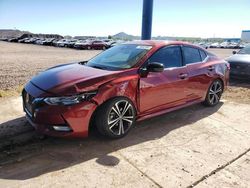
[192, 147]
[19, 62]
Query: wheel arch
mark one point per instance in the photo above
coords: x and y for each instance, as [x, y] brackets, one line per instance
[91, 122]
[126, 88]
[222, 81]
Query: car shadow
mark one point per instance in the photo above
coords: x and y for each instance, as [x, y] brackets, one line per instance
[52, 154]
[14, 127]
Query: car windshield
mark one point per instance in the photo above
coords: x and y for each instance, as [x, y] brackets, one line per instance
[120, 57]
[245, 50]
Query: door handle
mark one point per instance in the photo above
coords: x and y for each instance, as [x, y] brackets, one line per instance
[183, 76]
[211, 68]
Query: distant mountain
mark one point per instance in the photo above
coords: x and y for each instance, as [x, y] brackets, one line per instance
[14, 33]
[11, 33]
[125, 36]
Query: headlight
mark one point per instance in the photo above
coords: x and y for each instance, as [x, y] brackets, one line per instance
[69, 100]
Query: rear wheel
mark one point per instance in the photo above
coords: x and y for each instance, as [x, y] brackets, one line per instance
[115, 118]
[214, 93]
[89, 48]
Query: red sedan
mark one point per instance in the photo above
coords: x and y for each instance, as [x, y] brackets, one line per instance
[124, 84]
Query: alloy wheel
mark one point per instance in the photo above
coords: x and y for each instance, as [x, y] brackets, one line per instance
[215, 92]
[120, 117]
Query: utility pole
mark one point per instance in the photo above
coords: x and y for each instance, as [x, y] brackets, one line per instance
[147, 15]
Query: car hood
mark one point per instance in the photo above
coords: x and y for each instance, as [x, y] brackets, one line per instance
[72, 78]
[239, 58]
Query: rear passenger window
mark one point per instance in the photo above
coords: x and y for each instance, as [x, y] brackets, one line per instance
[168, 56]
[203, 55]
[191, 55]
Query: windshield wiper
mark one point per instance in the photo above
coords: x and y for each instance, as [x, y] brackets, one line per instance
[98, 67]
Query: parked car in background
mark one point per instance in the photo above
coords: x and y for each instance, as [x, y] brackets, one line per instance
[48, 41]
[4, 39]
[98, 45]
[124, 84]
[40, 41]
[202, 44]
[13, 40]
[92, 44]
[240, 63]
[242, 45]
[82, 44]
[23, 40]
[54, 42]
[109, 42]
[31, 40]
[233, 45]
[62, 43]
[70, 43]
[214, 45]
[224, 45]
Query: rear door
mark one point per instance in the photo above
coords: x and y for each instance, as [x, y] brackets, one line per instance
[168, 88]
[199, 72]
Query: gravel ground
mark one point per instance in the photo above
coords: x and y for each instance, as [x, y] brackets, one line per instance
[19, 62]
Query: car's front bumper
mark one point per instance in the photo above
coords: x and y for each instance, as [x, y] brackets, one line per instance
[59, 120]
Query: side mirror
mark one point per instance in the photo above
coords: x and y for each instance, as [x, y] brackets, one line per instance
[234, 52]
[155, 67]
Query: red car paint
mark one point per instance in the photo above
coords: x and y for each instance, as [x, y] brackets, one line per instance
[153, 94]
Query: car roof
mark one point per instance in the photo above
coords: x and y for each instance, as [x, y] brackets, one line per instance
[160, 43]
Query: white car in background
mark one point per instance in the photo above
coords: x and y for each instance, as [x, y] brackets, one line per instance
[109, 42]
[224, 45]
[215, 45]
[62, 43]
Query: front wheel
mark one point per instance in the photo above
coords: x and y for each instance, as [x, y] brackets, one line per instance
[115, 118]
[214, 93]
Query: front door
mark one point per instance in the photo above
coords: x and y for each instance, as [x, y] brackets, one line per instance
[168, 88]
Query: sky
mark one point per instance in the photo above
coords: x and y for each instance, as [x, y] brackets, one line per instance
[183, 18]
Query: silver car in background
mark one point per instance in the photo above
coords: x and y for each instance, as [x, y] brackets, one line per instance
[240, 63]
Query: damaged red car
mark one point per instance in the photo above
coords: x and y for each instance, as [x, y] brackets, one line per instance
[124, 84]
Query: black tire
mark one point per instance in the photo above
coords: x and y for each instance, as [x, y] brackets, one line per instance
[104, 48]
[214, 93]
[112, 123]
[89, 48]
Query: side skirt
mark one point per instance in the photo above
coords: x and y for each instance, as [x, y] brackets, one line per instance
[157, 113]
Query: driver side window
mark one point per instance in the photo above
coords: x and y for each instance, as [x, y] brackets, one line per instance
[168, 56]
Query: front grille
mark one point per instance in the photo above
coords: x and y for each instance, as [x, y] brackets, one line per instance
[240, 68]
[28, 102]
